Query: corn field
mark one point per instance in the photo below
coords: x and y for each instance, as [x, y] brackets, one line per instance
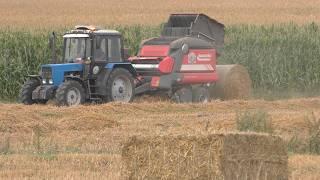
[278, 57]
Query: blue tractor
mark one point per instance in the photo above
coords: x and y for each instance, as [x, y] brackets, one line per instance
[94, 67]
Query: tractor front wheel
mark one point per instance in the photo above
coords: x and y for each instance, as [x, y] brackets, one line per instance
[26, 91]
[120, 86]
[70, 93]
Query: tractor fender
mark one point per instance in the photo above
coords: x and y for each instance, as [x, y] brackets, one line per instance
[75, 78]
[103, 75]
[127, 65]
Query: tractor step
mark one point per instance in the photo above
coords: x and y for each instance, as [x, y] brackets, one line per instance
[90, 77]
[93, 95]
[97, 100]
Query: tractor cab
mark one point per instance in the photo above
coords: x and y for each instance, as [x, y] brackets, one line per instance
[90, 56]
[93, 44]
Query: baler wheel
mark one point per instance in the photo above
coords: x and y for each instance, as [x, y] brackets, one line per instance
[26, 91]
[200, 95]
[120, 86]
[182, 95]
[70, 93]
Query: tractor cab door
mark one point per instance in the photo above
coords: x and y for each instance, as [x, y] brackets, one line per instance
[107, 49]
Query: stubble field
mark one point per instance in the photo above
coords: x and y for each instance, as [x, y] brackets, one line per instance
[85, 142]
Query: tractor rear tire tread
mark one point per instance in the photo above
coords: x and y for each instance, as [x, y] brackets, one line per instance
[116, 72]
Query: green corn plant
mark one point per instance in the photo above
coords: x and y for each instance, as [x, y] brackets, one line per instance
[278, 57]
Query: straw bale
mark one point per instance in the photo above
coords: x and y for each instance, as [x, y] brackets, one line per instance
[215, 156]
[234, 83]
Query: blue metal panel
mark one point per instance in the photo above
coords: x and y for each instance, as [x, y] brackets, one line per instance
[125, 65]
[111, 65]
[59, 70]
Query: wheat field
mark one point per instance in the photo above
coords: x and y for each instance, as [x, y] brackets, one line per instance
[60, 13]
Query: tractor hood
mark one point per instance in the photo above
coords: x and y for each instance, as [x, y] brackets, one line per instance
[56, 72]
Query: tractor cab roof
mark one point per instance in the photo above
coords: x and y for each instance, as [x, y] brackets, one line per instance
[85, 31]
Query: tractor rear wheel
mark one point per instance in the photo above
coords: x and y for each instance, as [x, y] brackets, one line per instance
[200, 95]
[120, 86]
[182, 95]
[70, 93]
[26, 91]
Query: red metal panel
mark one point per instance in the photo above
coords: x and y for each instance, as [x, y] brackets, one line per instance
[155, 81]
[166, 65]
[199, 60]
[195, 78]
[154, 50]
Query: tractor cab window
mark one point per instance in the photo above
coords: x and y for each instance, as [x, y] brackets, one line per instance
[114, 49]
[76, 49]
[101, 49]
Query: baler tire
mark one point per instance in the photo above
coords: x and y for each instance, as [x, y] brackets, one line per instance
[200, 95]
[182, 95]
[41, 101]
[122, 80]
[67, 91]
[26, 91]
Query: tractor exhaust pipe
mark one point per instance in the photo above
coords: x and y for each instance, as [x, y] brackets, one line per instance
[52, 46]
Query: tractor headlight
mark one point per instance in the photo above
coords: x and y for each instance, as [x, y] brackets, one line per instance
[50, 81]
[44, 81]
